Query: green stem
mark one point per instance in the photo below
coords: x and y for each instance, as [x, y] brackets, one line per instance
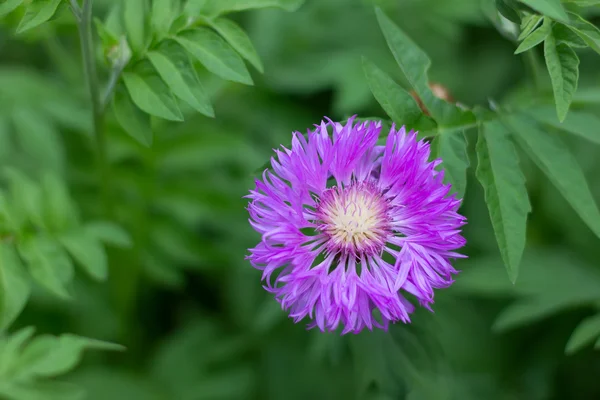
[532, 63]
[83, 16]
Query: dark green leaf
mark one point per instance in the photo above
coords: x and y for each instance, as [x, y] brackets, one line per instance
[585, 333]
[550, 8]
[150, 93]
[87, 251]
[536, 37]
[238, 39]
[581, 123]
[553, 157]
[215, 54]
[134, 122]
[451, 147]
[134, 18]
[563, 66]
[507, 11]
[395, 101]
[48, 264]
[37, 13]
[506, 196]
[108, 233]
[8, 6]
[175, 68]
[526, 312]
[14, 285]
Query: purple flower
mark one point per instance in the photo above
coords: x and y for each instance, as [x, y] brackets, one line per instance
[349, 228]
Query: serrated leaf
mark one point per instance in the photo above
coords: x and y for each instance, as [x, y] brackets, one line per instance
[451, 147]
[585, 333]
[238, 39]
[536, 37]
[217, 7]
[175, 68]
[215, 54]
[48, 264]
[14, 285]
[415, 64]
[37, 13]
[88, 252]
[528, 24]
[564, 34]
[132, 119]
[551, 8]
[8, 6]
[134, 19]
[506, 195]
[395, 101]
[580, 123]
[553, 157]
[109, 233]
[164, 12]
[150, 93]
[587, 31]
[563, 66]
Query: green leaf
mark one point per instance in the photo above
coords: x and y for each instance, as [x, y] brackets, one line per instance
[48, 264]
[415, 64]
[506, 196]
[507, 11]
[37, 13]
[527, 312]
[564, 34]
[587, 31]
[537, 37]
[150, 93]
[134, 18]
[580, 123]
[164, 12]
[451, 147]
[583, 3]
[25, 199]
[14, 285]
[238, 39]
[528, 24]
[551, 8]
[585, 333]
[395, 101]
[217, 7]
[109, 233]
[60, 212]
[87, 251]
[134, 122]
[174, 67]
[563, 66]
[8, 6]
[553, 157]
[215, 54]
[41, 390]
[10, 348]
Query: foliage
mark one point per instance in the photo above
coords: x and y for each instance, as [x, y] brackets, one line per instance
[111, 159]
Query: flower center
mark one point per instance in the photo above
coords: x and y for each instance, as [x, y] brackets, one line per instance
[354, 219]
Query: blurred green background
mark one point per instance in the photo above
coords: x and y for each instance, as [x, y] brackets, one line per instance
[192, 311]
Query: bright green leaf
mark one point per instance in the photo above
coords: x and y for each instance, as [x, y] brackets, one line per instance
[109, 233]
[451, 147]
[134, 18]
[580, 123]
[585, 333]
[134, 122]
[174, 67]
[48, 264]
[551, 8]
[563, 66]
[528, 24]
[217, 7]
[583, 3]
[8, 6]
[164, 12]
[415, 64]
[87, 251]
[536, 37]
[215, 54]
[26, 198]
[564, 34]
[60, 212]
[587, 31]
[14, 285]
[238, 39]
[10, 348]
[395, 101]
[506, 196]
[150, 93]
[553, 157]
[37, 13]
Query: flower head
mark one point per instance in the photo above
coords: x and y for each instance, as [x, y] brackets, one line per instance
[351, 228]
